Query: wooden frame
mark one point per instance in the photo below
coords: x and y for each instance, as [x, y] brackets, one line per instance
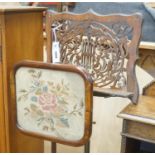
[88, 99]
[133, 22]
[138, 122]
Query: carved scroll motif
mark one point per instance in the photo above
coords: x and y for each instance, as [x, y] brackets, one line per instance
[99, 48]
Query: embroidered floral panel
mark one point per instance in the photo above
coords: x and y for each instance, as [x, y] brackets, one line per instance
[51, 102]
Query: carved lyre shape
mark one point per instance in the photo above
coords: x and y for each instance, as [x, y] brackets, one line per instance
[106, 46]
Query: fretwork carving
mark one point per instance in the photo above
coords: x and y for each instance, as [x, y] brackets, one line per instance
[92, 45]
[101, 45]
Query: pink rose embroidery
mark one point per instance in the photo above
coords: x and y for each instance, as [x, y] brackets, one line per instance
[48, 101]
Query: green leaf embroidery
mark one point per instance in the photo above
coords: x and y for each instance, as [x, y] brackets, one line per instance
[82, 104]
[38, 92]
[27, 111]
[23, 91]
[33, 107]
[52, 122]
[39, 74]
[58, 87]
[50, 83]
[62, 101]
[75, 106]
[45, 128]
[39, 112]
[31, 71]
[62, 81]
[19, 99]
[40, 120]
[66, 87]
[80, 113]
[64, 121]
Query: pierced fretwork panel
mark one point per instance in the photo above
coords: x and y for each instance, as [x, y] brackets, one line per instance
[99, 48]
[105, 45]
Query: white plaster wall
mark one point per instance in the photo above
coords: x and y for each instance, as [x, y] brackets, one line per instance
[10, 3]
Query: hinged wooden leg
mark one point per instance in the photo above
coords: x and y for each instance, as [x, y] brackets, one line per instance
[87, 147]
[53, 147]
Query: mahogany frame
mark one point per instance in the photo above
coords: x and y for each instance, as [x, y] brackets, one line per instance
[88, 99]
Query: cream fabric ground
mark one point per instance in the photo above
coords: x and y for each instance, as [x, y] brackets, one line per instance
[38, 102]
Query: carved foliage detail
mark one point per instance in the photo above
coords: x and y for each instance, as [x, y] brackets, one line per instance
[100, 48]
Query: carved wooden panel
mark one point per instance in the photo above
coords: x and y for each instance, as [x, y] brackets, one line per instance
[95, 47]
[105, 45]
